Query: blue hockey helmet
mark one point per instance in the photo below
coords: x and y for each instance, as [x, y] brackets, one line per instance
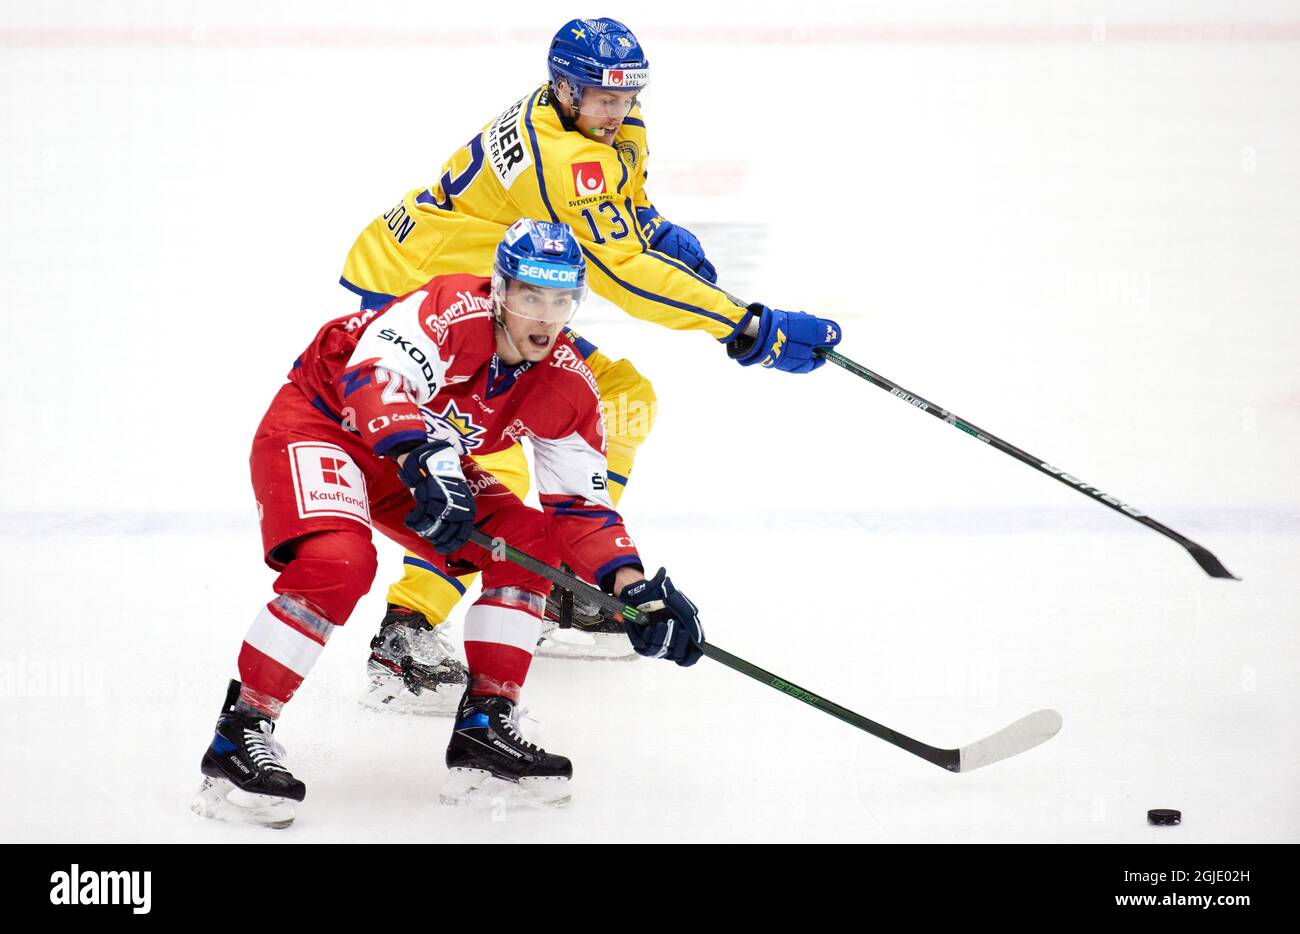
[597, 53]
[543, 255]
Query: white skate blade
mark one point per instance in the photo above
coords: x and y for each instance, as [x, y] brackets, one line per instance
[478, 788]
[388, 692]
[589, 646]
[219, 799]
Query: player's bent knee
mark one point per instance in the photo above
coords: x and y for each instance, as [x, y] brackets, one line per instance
[332, 571]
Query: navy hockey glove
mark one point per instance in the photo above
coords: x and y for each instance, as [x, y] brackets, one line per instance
[787, 340]
[677, 242]
[444, 505]
[669, 624]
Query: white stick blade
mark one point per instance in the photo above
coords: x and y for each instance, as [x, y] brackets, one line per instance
[1021, 736]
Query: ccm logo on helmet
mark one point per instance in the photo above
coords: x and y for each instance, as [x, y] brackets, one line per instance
[548, 274]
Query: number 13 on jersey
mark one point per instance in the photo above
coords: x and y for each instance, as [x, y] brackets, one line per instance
[617, 223]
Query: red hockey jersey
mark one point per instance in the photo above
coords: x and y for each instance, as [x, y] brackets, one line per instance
[425, 367]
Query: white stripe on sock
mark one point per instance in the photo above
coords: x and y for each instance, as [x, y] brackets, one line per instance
[283, 643]
[487, 623]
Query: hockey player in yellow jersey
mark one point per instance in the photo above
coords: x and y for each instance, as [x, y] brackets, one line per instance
[571, 151]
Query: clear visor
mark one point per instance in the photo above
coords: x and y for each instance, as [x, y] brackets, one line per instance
[609, 104]
[537, 304]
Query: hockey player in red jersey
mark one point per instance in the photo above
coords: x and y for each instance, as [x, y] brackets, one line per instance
[374, 429]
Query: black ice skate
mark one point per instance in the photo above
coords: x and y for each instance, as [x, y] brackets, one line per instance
[573, 628]
[244, 779]
[486, 747]
[412, 666]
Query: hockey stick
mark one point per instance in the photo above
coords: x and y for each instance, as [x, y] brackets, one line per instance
[1209, 564]
[1021, 736]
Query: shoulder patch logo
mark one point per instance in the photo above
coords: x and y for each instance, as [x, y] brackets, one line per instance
[588, 179]
[629, 152]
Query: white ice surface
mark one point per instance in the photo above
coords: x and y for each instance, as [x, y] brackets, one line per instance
[1082, 241]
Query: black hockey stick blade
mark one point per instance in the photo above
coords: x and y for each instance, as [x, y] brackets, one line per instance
[1209, 564]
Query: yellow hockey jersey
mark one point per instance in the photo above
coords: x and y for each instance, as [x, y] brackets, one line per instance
[525, 163]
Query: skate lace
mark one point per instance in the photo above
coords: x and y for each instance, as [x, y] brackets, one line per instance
[262, 747]
[513, 724]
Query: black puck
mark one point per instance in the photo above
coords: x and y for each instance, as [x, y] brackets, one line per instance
[1164, 816]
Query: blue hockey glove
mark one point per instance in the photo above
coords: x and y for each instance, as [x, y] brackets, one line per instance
[787, 340]
[677, 242]
[444, 505]
[669, 624]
